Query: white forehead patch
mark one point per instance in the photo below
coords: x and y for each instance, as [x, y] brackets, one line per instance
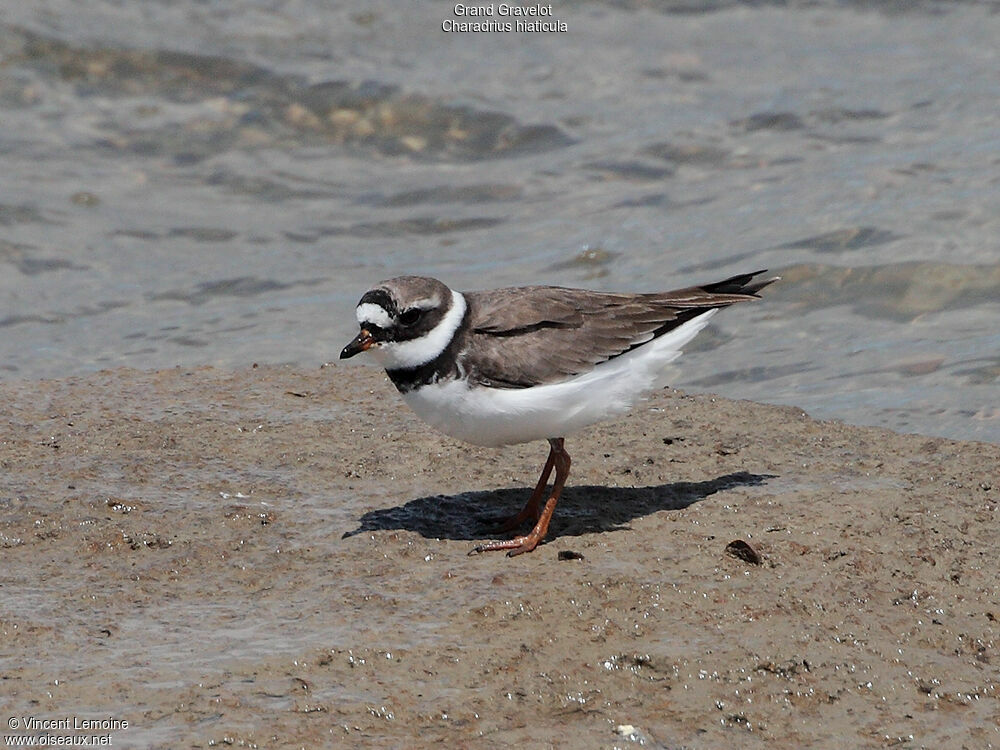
[373, 314]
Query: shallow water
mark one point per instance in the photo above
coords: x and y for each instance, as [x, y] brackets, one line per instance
[190, 184]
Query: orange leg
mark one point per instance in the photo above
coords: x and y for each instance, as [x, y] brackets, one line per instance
[533, 508]
[559, 459]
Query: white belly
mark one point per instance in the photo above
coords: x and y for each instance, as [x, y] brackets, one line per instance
[499, 416]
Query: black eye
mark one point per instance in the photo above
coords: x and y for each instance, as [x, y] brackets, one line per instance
[409, 317]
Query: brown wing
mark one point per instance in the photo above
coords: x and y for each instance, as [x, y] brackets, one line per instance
[525, 336]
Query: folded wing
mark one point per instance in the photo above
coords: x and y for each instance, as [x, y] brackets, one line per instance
[533, 335]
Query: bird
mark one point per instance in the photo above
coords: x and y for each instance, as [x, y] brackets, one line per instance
[518, 364]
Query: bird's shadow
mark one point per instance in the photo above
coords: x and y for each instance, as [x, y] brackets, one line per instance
[582, 509]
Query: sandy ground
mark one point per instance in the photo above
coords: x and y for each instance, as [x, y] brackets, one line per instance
[278, 558]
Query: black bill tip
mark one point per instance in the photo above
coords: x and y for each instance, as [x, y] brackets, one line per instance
[361, 343]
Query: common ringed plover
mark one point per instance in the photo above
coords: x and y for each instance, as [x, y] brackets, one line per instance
[528, 363]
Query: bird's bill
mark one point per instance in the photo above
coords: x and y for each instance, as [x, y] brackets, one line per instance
[361, 343]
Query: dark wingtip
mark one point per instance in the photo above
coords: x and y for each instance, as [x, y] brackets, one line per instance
[741, 284]
[756, 286]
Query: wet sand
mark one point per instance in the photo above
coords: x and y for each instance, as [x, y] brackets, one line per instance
[278, 558]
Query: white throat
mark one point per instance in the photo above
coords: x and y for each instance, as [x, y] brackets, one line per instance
[405, 355]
